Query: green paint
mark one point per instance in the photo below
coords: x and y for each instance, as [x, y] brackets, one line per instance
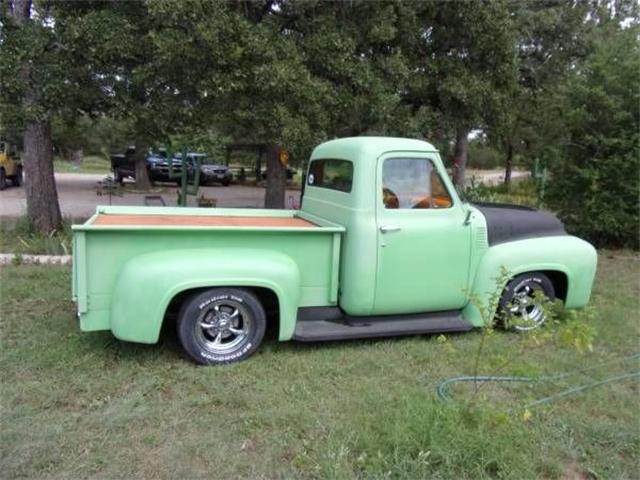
[126, 276]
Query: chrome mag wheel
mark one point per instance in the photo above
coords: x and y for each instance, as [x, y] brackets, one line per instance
[525, 311]
[223, 327]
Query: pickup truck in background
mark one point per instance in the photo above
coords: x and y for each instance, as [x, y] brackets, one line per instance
[123, 166]
[381, 246]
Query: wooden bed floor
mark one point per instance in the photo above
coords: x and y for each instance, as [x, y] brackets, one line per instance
[200, 221]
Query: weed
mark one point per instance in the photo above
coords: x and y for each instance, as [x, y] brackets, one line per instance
[21, 238]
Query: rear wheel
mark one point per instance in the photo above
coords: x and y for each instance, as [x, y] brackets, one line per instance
[221, 325]
[118, 177]
[3, 179]
[16, 180]
[520, 305]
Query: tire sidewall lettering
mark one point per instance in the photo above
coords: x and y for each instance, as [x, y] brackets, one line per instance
[229, 357]
[218, 298]
[526, 280]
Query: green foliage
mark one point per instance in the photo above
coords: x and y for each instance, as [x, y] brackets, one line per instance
[550, 37]
[554, 81]
[577, 330]
[596, 176]
[99, 135]
[483, 156]
[520, 192]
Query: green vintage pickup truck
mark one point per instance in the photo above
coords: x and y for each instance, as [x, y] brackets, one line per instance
[381, 246]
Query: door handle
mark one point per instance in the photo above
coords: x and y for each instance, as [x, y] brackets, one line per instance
[389, 228]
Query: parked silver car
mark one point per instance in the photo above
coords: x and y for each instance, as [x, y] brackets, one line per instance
[210, 172]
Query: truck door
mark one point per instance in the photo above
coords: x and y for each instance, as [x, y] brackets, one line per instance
[423, 241]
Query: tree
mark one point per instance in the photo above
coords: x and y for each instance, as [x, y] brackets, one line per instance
[251, 86]
[132, 83]
[550, 38]
[320, 69]
[25, 47]
[463, 67]
[51, 52]
[595, 184]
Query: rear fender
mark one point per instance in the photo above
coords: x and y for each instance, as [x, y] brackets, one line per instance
[572, 256]
[147, 284]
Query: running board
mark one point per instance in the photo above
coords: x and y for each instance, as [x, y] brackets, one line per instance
[330, 323]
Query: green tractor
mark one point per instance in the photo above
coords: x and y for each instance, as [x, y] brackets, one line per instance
[10, 165]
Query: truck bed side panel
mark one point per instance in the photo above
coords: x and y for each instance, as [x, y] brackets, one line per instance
[106, 252]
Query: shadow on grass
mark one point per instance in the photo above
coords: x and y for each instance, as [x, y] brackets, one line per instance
[169, 349]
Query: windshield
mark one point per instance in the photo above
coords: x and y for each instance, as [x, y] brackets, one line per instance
[191, 158]
[204, 160]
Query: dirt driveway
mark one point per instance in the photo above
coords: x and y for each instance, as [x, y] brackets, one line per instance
[78, 198]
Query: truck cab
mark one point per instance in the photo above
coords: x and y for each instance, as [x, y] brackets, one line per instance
[381, 246]
[408, 242]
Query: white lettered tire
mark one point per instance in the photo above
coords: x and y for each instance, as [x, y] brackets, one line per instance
[221, 325]
[519, 309]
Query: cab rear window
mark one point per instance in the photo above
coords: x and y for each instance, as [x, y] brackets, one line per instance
[331, 173]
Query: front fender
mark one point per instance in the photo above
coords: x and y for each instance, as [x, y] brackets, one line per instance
[147, 284]
[572, 256]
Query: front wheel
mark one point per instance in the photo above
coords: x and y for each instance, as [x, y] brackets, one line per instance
[221, 325]
[3, 179]
[520, 304]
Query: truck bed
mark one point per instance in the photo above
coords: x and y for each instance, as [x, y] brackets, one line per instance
[106, 243]
[200, 221]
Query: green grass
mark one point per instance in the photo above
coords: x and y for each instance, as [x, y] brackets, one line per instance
[84, 404]
[18, 237]
[90, 164]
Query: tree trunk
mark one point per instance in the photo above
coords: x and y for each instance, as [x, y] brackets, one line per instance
[460, 156]
[509, 164]
[140, 158]
[43, 210]
[276, 180]
[20, 10]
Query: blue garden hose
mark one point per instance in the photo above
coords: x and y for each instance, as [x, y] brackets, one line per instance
[441, 390]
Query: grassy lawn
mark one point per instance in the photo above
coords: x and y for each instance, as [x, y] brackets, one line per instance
[84, 404]
[90, 164]
[17, 237]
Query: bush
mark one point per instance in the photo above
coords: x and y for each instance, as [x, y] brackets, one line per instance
[596, 185]
[483, 156]
[522, 192]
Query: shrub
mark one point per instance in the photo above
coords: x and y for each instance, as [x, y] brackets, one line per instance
[596, 185]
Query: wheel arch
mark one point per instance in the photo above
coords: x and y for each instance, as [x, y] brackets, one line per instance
[267, 296]
[560, 282]
[569, 262]
[149, 284]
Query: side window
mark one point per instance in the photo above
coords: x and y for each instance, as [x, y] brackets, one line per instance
[412, 183]
[332, 174]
